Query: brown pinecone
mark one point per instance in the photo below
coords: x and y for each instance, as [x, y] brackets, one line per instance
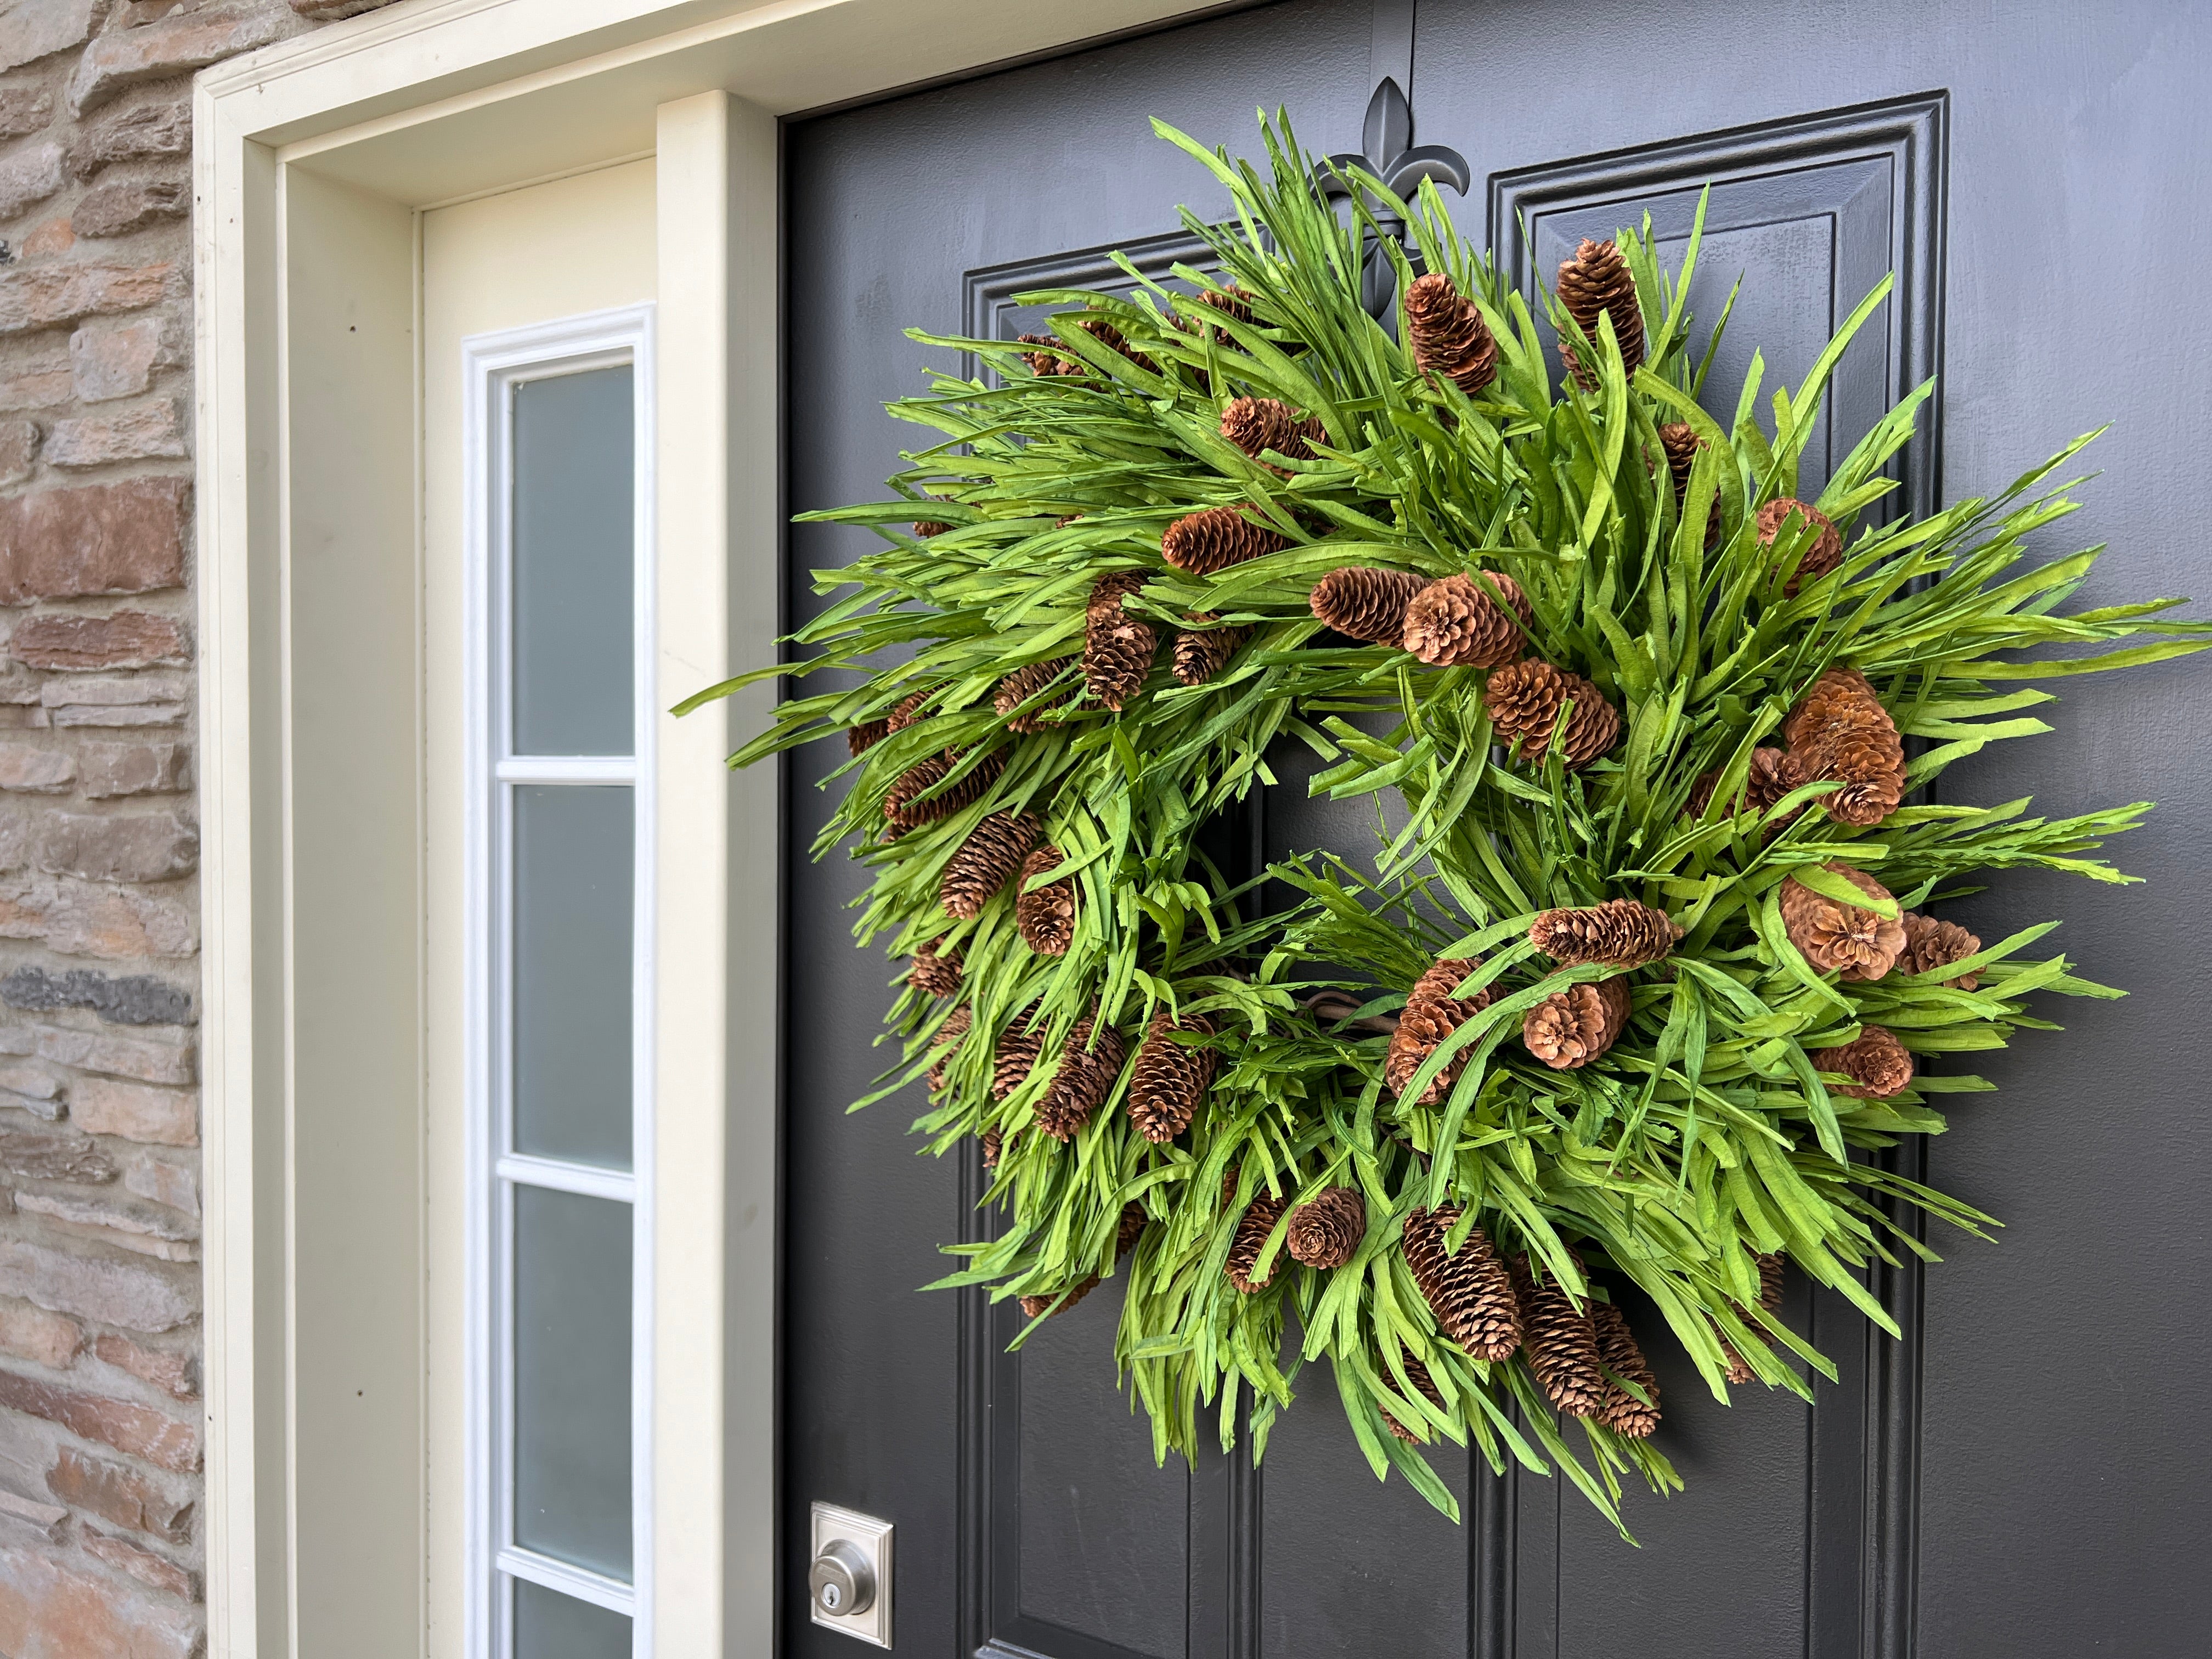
[1681, 443]
[1570, 1029]
[1737, 1368]
[904, 809]
[1523, 699]
[1366, 604]
[1202, 652]
[866, 735]
[1841, 938]
[1020, 1046]
[1132, 1228]
[1772, 776]
[1233, 302]
[1201, 542]
[1458, 622]
[1823, 553]
[1258, 424]
[926, 528]
[1771, 1281]
[1170, 1079]
[1118, 648]
[1621, 930]
[1841, 731]
[1432, 1014]
[1112, 337]
[1045, 916]
[1930, 944]
[932, 974]
[1471, 1294]
[1561, 1342]
[1882, 1065]
[1085, 1077]
[1617, 1352]
[943, 1041]
[1326, 1230]
[1047, 359]
[1435, 987]
[985, 862]
[1448, 334]
[1026, 682]
[1734, 1366]
[994, 1142]
[1252, 1232]
[912, 708]
[1596, 282]
[1033, 1305]
[1417, 1375]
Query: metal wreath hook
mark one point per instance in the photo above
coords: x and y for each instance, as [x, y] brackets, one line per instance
[1391, 156]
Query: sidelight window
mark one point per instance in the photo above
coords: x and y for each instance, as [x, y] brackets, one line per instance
[561, 884]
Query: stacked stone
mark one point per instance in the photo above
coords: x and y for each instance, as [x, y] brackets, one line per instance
[100, 1415]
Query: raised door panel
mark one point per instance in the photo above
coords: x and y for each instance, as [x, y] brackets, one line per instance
[1806, 217]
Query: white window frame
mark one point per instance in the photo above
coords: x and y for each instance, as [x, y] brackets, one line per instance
[493, 365]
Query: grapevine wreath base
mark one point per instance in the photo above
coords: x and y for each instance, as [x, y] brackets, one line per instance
[1645, 971]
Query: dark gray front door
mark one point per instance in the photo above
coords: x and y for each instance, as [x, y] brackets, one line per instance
[2025, 1474]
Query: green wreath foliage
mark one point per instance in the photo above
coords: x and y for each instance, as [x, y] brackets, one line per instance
[1705, 1138]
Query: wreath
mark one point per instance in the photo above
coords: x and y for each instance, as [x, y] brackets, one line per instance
[1641, 978]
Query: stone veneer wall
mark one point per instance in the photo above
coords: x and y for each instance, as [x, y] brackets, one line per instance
[101, 1422]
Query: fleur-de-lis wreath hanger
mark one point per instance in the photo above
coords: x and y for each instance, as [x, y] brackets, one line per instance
[1391, 157]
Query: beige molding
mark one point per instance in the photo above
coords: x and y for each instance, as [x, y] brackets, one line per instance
[313, 161]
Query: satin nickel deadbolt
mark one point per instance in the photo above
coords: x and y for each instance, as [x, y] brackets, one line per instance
[849, 1584]
[842, 1582]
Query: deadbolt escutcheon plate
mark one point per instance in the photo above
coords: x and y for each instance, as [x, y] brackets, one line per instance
[848, 1578]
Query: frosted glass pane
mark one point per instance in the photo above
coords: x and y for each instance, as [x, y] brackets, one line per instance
[573, 853]
[551, 1625]
[574, 497]
[572, 1366]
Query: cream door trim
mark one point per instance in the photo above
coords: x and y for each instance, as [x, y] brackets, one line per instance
[313, 161]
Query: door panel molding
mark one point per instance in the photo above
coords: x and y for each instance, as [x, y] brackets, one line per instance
[987, 293]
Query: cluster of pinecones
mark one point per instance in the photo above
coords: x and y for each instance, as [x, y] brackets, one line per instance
[1860, 942]
[1483, 619]
[1048, 356]
[1167, 1083]
[1452, 341]
[1568, 1029]
[1001, 846]
[1480, 619]
[1323, 1232]
[1581, 1022]
[1583, 1355]
[1215, 539]
[1798, 528]
[1839, 733]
